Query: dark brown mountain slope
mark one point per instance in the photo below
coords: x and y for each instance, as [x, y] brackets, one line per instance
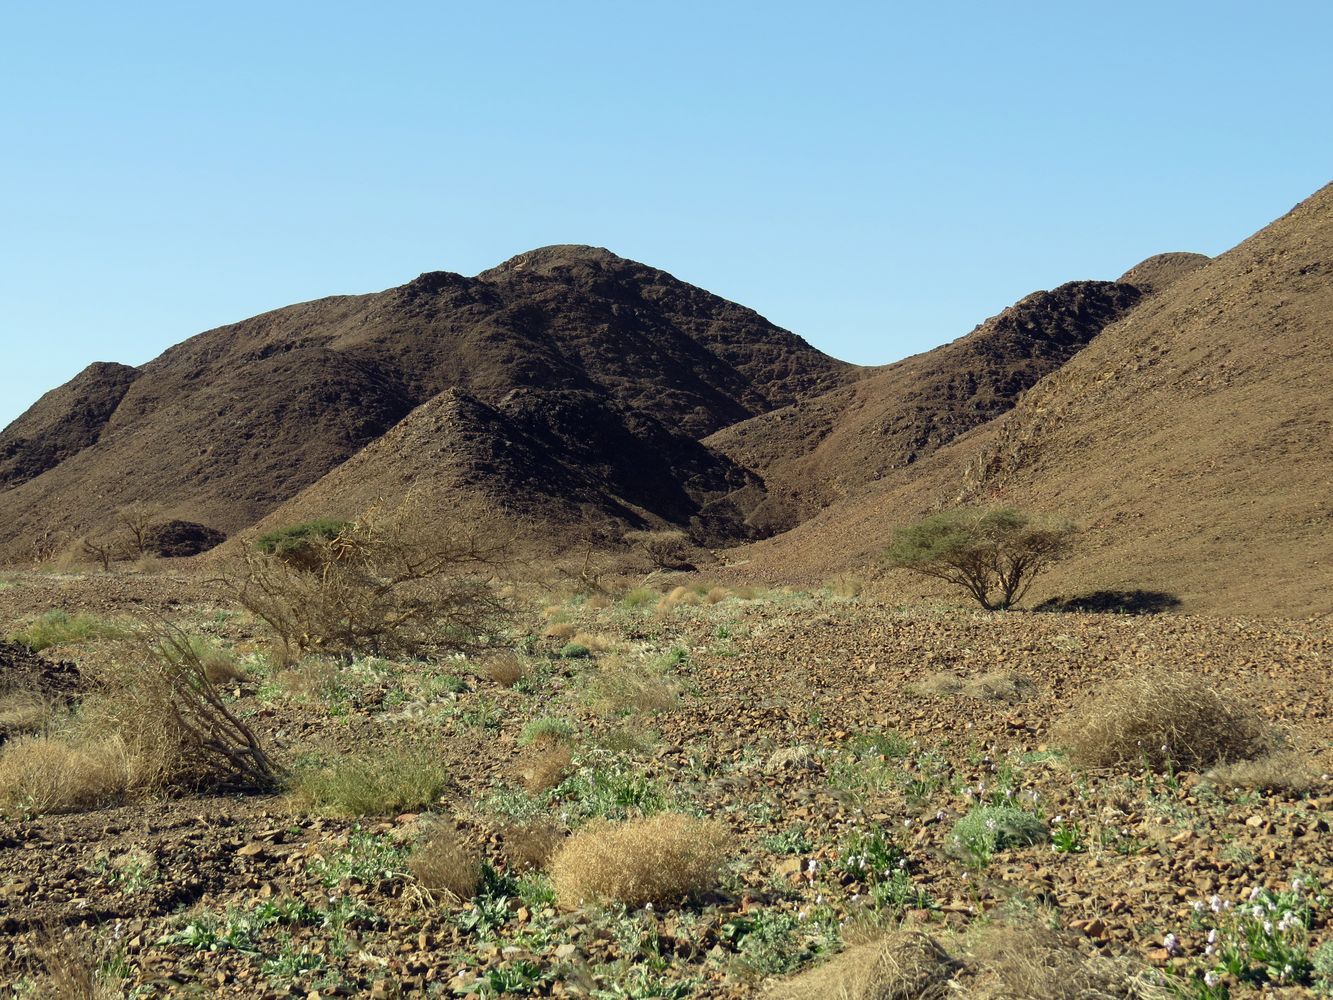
[825, 449]
[63, 422]
[227, 425]
[1192, 440]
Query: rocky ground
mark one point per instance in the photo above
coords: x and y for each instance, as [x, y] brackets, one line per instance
[862, 756]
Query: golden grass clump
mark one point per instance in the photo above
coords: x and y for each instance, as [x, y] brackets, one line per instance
[505, 668]
[902, 965]
[444, 865]
[545, 767]
[530, 846]
[1283, 772]
[593, 642]
[560, 630]
[660, 859]
[1161, 720]
[44, 774]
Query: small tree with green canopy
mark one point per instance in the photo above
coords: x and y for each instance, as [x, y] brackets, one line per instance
[992, 554]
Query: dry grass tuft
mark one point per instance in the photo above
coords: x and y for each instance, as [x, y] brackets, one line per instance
[1161, 720]
[1036, 964]
[220, 667]
[659, 859]
[73, 970]
[41, 774]
[1283, 772]
[444, 865]
[530, 846]
[545, 768]
[619, 687]
[903, 965]
[505, 668]
[24, 712]
[560, 630]
[595, 643]
[796, 758]
[997, 685]
[306, 679]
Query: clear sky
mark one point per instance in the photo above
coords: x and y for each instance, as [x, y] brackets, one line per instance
[878, 177]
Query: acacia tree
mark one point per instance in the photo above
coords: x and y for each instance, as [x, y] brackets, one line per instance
[992, 554]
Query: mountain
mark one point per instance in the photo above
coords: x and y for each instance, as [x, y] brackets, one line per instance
[567, 350]
[1192, 441]
[822, 450]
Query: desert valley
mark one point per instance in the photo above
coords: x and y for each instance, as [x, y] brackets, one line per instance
[569, 630]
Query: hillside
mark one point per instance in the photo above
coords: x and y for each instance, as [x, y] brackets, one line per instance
[1192, 440]
[823, 450]
[226, 426]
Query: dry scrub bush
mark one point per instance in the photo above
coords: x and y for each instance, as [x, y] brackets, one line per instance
[530, 846]
[443, 865]
[1035, 964]
[1161, 720]
[41, 774]
[660, 859]
[665, 549]
[154, 720]
[1283, 772]
[168, 710]
[504, 667]
[543, 769]
[400, 582]
[903, 965]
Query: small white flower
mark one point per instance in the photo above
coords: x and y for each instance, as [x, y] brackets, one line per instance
[1211, 979]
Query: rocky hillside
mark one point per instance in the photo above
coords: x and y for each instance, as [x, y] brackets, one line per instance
[823, 450]
[568, 347]
[1192, 440]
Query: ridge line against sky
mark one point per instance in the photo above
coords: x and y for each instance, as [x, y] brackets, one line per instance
[875, 178]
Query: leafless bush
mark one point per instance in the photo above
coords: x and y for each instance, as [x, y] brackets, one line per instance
[666, 549]
[393, 582]
[1159, 720]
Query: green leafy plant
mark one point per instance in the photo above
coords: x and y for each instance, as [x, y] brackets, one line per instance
[994, 555]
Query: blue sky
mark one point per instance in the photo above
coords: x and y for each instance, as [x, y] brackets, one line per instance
[878, 177]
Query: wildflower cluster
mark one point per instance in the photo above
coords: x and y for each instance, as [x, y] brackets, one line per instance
[1262, 940]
